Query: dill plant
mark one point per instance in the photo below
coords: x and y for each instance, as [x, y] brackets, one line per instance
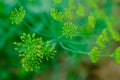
[101, 39]
[35, 51]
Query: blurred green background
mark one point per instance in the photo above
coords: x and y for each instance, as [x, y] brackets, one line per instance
[65, 66]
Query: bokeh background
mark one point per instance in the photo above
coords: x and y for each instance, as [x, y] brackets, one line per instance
[66, 66]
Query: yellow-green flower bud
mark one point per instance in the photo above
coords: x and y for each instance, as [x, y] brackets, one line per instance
[116, 55]
[102, 39]
[94, 54]
[115, 35]
[80, 10]
[91, 21]
[69, 30]
[57, 15]
[17, 15]
[34, 51]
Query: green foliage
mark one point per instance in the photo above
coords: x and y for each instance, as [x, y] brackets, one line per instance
[34, 51]
[94, 54]
[17, 15]
[116, 55]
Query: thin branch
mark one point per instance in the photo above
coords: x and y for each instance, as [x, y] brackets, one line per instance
[80, 52]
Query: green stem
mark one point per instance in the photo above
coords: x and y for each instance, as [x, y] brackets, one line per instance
[88, 36]
[44, 34]
[31, 19]
[83, 26]
[57, 39]
[27, 25]
[80, 52]
[79, 43]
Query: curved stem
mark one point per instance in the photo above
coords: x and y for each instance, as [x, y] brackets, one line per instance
[56, 39]
[44, 34]
[90, 36]
[30, 19]
[80, 52]
[27, 25]
[83, 26]
[79, 43]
